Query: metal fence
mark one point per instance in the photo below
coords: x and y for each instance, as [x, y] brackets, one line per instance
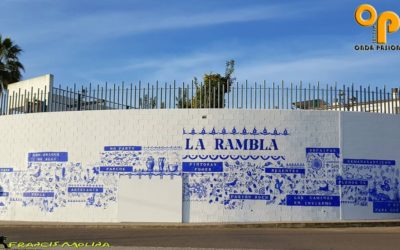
[186, 96]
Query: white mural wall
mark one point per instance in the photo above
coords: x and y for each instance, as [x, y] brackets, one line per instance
[199, 166]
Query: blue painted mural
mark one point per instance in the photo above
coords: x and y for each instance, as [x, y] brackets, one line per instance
[52, 182]
[231, 168]
[373, 181]
[318, 181]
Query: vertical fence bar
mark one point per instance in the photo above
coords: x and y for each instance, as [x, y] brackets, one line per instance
[201, 95]
[273, 95]
[372, 101]
[277, 96]
[397, 101]
[174, 93]
[110, 98]
[360, 102]
[283, 96]
[369, 98]
[223, 96]
[194, 101]
[237, 94]
[251, 98]
[294, 106]
[380, 101]
[301, 93]
[264, 86]
[152, 97]
[246, 95]
[165, 95]
[365, 100]
[228, 90]
[376, 100]
[18, 101]
[24, 102]
[260, 97]
[384, 99]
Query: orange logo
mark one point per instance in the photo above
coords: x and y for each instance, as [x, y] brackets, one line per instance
[388, 21]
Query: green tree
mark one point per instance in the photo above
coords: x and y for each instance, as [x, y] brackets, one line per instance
[149, 103]
[10, 66]
[210, 94]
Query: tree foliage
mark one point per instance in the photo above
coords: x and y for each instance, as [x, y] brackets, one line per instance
[150, 102]
[10, 66]
[211, 93]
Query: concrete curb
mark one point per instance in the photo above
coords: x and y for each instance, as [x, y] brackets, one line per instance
[347, 224]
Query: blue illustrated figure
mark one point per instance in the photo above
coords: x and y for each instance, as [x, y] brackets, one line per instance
[150, 164]
[161, 163]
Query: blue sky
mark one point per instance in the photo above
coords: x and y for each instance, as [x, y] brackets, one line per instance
[119, 40]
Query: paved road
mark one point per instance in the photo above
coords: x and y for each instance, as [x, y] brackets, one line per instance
[196, 238]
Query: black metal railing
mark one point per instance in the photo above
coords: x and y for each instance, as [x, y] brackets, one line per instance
[185, 96]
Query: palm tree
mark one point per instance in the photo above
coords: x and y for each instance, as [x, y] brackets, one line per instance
[10, 67]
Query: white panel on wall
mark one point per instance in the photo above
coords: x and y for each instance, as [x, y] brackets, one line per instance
[150, 200]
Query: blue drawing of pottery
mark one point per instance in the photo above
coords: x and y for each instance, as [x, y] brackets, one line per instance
[161, 163]
[316, 164]
[172, 167]
[150, 164]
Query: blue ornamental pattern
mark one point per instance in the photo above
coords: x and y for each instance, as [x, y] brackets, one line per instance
[235, 131]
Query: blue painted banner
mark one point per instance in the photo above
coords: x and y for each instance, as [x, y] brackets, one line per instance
[48, 157]
[4, 194]
[249, 197]
[38, 194]
[85, 190]
[122, 148]
[6, 170]
[386, 206]
[369, 162]
[323, 150]
[116, 169]
[202, 167]
[349, 182]
[285, 170]
[313, 200]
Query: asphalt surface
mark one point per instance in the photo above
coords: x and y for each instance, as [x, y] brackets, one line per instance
[220, 238]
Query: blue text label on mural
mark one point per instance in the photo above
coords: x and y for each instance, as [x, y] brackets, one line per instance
[285, 170]
[38, 194]
[323, 150]
[202, 167]
[122, 148]
[6, 170]
[249, 197]
[85, 190]
[386, 207]
[348, 182]
[116, 169]
[369, 162]
[4, 194]
[48, 157]
[313, 200]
